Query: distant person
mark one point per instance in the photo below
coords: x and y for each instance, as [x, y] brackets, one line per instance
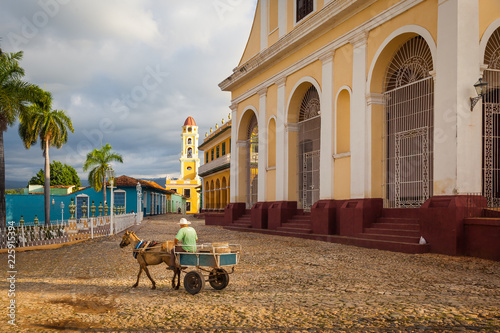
[187, 237]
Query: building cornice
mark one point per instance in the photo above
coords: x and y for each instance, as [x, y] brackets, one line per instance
[325, 20]
[214, 135]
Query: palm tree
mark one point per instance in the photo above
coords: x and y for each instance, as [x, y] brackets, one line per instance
[51, 126]
[14, 96]
[99, 160]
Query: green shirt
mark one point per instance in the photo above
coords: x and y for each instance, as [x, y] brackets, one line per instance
[187, 235]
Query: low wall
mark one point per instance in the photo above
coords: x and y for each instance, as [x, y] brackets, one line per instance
[482, 238]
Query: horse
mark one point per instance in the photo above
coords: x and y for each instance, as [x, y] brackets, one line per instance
[153, 255]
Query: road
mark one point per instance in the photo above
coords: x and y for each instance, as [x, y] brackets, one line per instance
[281, 284]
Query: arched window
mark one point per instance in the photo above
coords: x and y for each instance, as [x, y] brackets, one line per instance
[190, 152]
[190, 141]
[252, 161]
[309, 149]
[409, 103]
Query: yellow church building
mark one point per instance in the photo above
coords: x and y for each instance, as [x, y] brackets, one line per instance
[352, 119]
[215, 169]
[189, 181]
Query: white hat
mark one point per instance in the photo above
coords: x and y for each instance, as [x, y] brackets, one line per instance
[183, 221]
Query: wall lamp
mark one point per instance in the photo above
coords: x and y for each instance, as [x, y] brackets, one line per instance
[480, 87]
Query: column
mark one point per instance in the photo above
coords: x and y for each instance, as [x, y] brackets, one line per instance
[457, 130]
[234, 153]
[327, 128]
[360, 123]
[262, 180]
[281, 161]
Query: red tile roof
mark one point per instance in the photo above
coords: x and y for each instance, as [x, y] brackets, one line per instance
[129, 181]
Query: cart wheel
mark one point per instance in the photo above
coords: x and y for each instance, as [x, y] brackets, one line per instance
[194, 282]
[218, 278]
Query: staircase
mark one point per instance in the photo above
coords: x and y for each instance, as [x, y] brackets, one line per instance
[300, 223]
[396, 230]
[244, 221]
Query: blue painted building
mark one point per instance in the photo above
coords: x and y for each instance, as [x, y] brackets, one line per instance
[155, 200]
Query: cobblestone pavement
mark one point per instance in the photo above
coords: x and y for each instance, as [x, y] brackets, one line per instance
[281, 284]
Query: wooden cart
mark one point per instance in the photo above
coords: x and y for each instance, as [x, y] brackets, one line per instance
[210, 263]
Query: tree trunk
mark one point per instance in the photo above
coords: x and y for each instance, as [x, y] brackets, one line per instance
[47, 183]
[3, 212]
[104, 187]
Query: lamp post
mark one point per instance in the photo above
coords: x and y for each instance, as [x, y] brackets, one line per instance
[62, 212]
[110, 173]
[139, 196]
[480, 87]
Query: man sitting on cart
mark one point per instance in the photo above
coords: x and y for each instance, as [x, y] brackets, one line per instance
[188, 238]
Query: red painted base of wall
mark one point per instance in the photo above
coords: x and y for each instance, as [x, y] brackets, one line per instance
[214, 218]
[482, 238]
[440, 220]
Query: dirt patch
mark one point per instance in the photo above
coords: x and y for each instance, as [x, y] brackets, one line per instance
[86, 306]
[65, 325]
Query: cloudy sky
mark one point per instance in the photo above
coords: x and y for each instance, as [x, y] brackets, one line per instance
[128, 73]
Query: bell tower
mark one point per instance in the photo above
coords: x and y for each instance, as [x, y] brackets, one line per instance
[189, 182]
[189, 157]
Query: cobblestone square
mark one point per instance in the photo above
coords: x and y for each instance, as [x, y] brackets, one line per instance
[281, 285]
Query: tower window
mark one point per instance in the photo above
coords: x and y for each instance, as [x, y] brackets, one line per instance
[303, 8]
[190, 129]
[190, 152]
[190, 141]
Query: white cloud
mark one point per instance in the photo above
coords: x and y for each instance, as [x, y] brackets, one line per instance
[95, 57]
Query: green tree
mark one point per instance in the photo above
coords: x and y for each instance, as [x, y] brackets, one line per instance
[51, 126]
[60, 174]
[99, 160]
[15, 94]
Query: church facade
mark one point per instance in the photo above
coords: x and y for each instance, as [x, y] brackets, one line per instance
[189, 182]
[346, 112]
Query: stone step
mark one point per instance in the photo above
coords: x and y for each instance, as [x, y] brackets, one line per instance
[393, 238]
[398, 220]
[386, 245]
[296, 228]
[394, 232]
[395, 226]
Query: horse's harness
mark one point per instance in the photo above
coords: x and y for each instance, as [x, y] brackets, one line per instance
[143, 246]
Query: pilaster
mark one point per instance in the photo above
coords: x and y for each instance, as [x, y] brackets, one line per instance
[262, 180]
[360, 122]
[263, 24]
[281, 148]
[327, 128]
[457, 159]
[234, 154]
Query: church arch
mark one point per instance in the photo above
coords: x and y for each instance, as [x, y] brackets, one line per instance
[304, 140]
[248, 157]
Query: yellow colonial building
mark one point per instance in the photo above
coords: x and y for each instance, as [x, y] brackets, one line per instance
[348, 111]
[189, 181]
[215, 170]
